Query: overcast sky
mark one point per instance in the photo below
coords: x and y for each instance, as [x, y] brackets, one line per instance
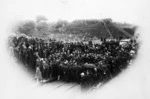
[132, 84]
[119, 10]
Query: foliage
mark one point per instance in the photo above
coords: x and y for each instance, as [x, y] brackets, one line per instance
[26, 27]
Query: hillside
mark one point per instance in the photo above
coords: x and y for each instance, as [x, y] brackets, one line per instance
[100, 30]
[104, 28]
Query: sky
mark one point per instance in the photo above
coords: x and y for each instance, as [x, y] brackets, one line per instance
[132, 84]
[119, 10]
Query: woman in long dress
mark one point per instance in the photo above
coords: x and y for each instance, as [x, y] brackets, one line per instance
[38, 75]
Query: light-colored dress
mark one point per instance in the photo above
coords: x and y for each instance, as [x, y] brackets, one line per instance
[38, 74]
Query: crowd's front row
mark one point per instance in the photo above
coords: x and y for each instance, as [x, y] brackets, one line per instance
[84, 63]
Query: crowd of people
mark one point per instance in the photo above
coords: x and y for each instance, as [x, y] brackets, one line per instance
[83, 63]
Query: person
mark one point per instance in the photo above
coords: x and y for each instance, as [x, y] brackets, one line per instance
[45, 72]
[38, 74]
[38, 61]
[82, 75]
[64, 60]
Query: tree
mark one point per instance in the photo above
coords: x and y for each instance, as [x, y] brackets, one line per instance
[61, 25]
[42, 27]
[41, 18]
[26, 27]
